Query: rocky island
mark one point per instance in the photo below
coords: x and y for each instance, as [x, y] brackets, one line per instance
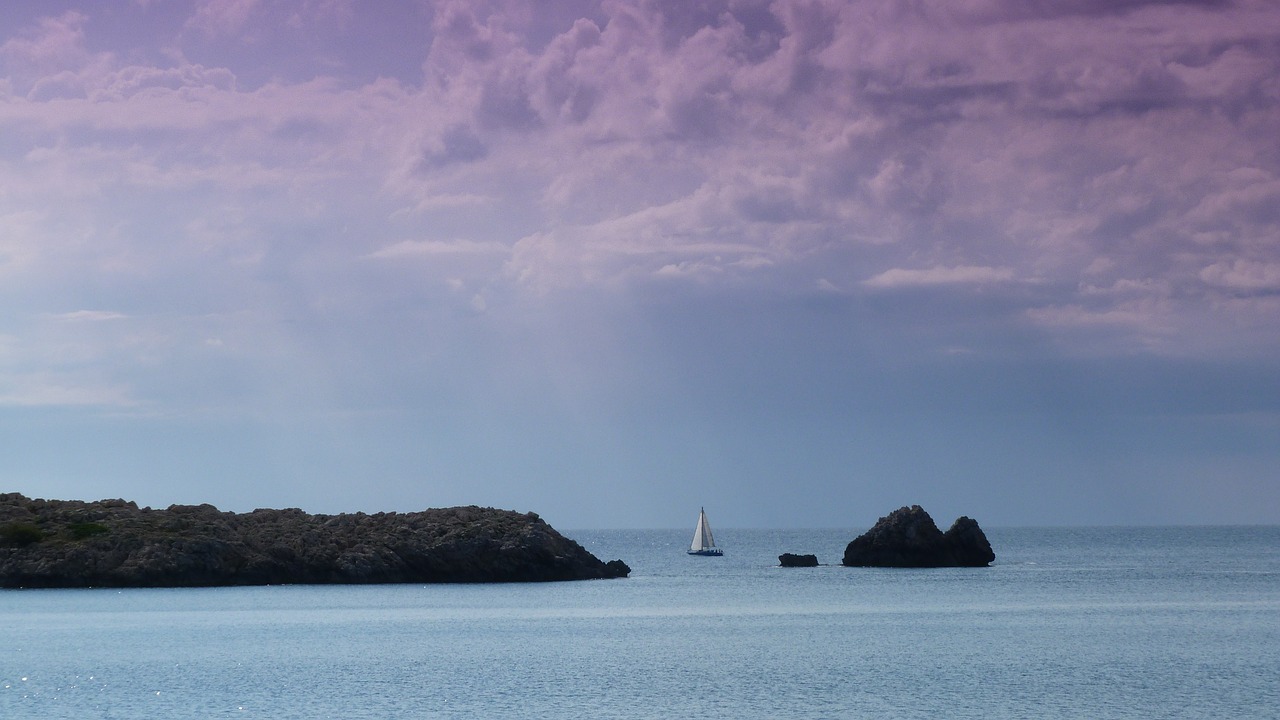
[114, 543]
[908, 538]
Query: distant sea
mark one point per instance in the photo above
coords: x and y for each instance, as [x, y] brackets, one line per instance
[1068, 623]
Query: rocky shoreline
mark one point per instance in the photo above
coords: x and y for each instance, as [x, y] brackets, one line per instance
[114, 543]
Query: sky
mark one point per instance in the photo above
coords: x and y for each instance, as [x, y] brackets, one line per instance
[800, 262]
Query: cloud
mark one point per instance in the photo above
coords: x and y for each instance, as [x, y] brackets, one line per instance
[1145, 324]
[1077, 315]
[457, 144]
[419, 248]
[961, 274]
[90, 316]
[1241, 274]
[784, 147]
[221, 17]
[53, 44]
[467, 213]
[46, 390]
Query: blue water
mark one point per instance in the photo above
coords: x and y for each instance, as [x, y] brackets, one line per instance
[1069, 623]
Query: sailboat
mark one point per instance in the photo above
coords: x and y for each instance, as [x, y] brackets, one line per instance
[703, 543]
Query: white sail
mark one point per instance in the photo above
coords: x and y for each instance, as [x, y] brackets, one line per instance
[702, 538]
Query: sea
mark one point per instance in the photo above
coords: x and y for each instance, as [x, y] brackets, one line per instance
[1171, 622]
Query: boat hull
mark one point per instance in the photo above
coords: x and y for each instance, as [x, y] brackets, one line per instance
[710, 552]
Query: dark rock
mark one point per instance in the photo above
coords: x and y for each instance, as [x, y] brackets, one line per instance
[793, 560]
[907, 537]
[969, 544]
[55, 543]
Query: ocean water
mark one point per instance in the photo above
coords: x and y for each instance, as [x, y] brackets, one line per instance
[1068, 623]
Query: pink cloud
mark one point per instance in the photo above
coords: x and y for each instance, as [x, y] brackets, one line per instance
[867, 145]
[1241, 274]
[959, 275]
[55, 43]
[221, 17]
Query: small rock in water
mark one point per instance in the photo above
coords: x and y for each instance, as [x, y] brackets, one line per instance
[793, 560]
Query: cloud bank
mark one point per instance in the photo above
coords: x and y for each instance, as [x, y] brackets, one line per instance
[298, 203]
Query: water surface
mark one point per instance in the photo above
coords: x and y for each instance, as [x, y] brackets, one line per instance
[1069, 623]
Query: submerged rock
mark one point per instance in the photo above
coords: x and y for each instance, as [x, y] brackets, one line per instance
[113, 543]
[793, 560]
[907, 537]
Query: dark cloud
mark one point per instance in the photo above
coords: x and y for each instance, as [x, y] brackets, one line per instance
[457, 144]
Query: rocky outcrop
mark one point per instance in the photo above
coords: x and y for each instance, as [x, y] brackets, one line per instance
[907, 537]
[114, 543]
[793, 560]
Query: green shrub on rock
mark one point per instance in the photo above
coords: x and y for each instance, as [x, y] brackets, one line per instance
[83, 530]
[20, 534]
